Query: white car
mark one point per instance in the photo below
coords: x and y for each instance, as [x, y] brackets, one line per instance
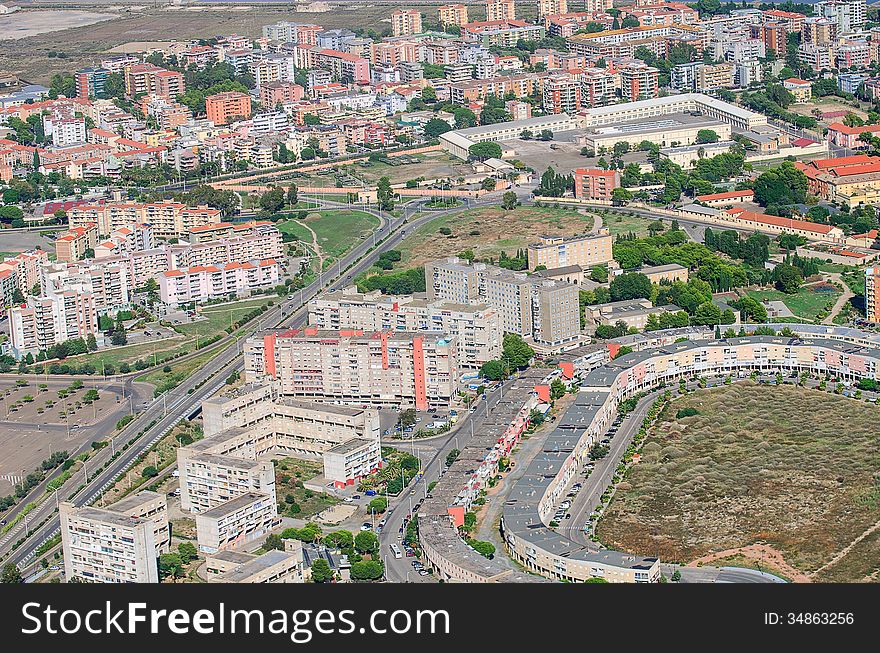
[348, 499]
[175, 473]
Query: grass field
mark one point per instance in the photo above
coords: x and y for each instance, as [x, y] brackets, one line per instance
[807, 303]
[489, 231]
[337, 231]
[219, 317]
[624, 224]
[788, 467]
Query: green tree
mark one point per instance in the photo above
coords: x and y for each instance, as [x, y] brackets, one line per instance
[707, 136]
[384, 194]
[366, 542]
[492, 370]
[272, 201]
[11, 574]
[187, 551]
[509, 201]
[367, 570]
[707, 313]
[292, 195]
[321, 572]
[484, 150]
[784, 184]
[631, 285]
[436, 127]
[274, 541]
[170, 565]
[787, 278]
[517, 352]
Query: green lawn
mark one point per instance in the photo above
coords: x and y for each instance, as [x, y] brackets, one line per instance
[806, 304]
[220, 316]
[618, 223]
[337, 231]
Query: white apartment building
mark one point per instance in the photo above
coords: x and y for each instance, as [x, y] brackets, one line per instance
[535, 308]
[51, 319]
[271, 567]
[153, 507]
[202, 283]
[107, 282]
[105, 546]
[238, 521]
[475, 327]
[269, 122]
[557, 252]
[253, 422]
[71, 131]
[381, 368]
[849, 15]
[208, 480]
[345, 463]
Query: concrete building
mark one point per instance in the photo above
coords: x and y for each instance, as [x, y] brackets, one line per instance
[254, 423]
[203, 283]
[632, 312]
[475, 327]
[455, 14]
[72, 245]
[223, 108]
[500, 10]
[90, 82]
[533, 307]
[562, 94]
[546, 8]
[42, 322]
[380, 368]
[106, 546]
[872, 294]
[595, 184]
[246, 518]
[557, 251]
[167, 219]
[153, 507]
[405, 22]
[848, 15]
[270, 567]
[669, 273]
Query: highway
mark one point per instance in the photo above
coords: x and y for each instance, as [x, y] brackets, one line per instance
[185, 400]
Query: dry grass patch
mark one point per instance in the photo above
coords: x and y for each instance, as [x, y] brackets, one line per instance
[790, 467]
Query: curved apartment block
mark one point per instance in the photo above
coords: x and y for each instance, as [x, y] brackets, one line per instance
[843, 352]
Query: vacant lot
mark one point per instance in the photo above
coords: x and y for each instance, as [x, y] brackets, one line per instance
[31, 23]
[426, 165]
[810, 302]
[335, 232]
[791, 468]
[490, 231]
[84, 45]
[294, 500]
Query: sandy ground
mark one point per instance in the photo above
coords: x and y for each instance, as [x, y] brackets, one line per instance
[762, 553]
[23, 24]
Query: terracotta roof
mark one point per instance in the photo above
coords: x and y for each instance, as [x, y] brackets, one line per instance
[732, 195]
[776, 221]
[852, 131]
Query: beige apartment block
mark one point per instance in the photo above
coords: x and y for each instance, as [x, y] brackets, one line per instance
[557, 252]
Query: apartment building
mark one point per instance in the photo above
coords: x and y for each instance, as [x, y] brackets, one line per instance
[595, 184]
[381, 368]
[72, 245]
[802, 90]
[152, 507]
[107, 282]
[204, 282]
[405, 22]
[146, 79]
[167, 219]
[20, 272]
[236, 522]
[106, 546]
[452, 15]
[503, 33]
[254, 422]
[126, 240]
[208, 480]
[546, 8]
[42, 322]
[223, 108]
[849, 15]
[475, 327]
[638, 81]
[351, 460]
[90, 82]
[524, 302]
[872, 294]
[500, 10]
[271, 567]
[817, 30]
[562, 94]
[275, 93]
[558, 251]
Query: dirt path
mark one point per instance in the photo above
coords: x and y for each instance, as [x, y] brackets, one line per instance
[763, 553]
[840, 554]
[841, 301]
[597, 221]
[315, 246]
